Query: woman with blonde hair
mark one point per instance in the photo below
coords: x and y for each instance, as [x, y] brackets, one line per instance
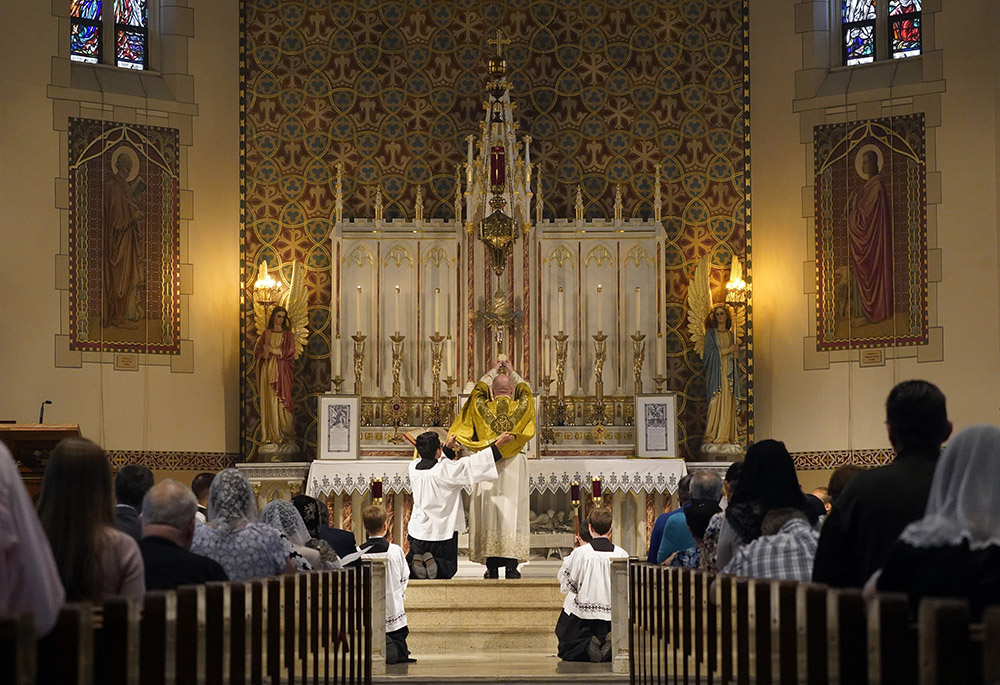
[95, 559]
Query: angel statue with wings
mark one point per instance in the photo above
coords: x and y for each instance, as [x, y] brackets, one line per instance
[714, 337]
[279, 344]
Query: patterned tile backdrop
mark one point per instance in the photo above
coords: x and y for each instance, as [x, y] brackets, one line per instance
[608, 89]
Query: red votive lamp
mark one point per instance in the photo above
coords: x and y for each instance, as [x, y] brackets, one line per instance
[595, 488]
[377, 489]
[498, 166]
[574, 493]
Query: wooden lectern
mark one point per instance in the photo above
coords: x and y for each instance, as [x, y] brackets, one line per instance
[30, 444]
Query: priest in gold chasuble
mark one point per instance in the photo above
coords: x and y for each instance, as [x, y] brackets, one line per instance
[498, 512]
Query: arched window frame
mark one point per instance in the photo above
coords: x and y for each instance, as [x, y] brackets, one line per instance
[107, 24]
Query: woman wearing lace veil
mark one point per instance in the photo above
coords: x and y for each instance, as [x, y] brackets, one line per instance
[233, 537]
[285, 518]
[954, 550]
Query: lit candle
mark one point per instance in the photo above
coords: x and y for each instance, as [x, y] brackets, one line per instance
[395, 318]
[357, 311]
[437, 310]
[600, 309]
[498, 166]
[638, 310]
[661, 354]
[562, 311]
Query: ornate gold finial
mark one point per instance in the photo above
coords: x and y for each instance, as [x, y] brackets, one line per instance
[458, 193]
[418, 206]
[378, 204]
[657, 197]
[339, 201]
[579, 203]
[618, 202]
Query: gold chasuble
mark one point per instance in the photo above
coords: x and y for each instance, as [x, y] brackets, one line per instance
[498, 510]
[484, 418]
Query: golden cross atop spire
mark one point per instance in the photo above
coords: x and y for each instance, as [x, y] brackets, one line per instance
[499, 41]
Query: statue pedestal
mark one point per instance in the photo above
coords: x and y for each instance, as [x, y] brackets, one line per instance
[722, 451]
[275, 481]
[275, 453]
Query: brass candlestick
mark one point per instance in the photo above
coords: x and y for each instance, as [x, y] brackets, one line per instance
[437, 354]
[600, 354]
[660, 382]
[543, 385]
[359, 361]
[638, 352]
[449, 382]
[338, 385]
[560, 417]
[395, 408]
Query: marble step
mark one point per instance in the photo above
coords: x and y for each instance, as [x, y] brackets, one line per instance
[462, 614]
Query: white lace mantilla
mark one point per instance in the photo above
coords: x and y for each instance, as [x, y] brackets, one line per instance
[545, 475]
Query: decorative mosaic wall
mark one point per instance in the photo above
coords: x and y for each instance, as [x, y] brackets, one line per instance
[124, 238]
[609, 90]
[871, 235]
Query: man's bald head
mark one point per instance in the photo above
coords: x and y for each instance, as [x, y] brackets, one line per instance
[169, 503]
[502, 386]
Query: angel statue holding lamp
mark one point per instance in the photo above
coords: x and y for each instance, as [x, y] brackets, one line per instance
[282, 335]
[713, 331]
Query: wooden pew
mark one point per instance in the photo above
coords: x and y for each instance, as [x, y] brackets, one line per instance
[73, 640]
[117, 642]
[784, 643]
[892, 643]
[991, 646]
[17, 649]
[846, 631]
[190, 642]
[157, 639]
[217, 638]
[811, 628]
[945, 651]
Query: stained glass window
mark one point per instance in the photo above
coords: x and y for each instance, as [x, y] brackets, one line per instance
[879, 29]
[85, 30]
[124, 20]
[904, 28]
[858, 22]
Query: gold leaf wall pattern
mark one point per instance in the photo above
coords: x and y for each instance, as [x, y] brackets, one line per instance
[609, 90]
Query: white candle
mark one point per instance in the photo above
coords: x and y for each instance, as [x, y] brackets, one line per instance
[638, 310]
[437, 310]
[600, 309]
[337, 368]
[395, 317]
[562, 310]
[546, 349]
[661, 354]
[449, 361]
[357, 311]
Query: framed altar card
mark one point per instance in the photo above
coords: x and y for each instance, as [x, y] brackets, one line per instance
[339, 426]
[656, 426]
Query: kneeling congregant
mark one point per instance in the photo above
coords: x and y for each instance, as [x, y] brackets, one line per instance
[584, 626]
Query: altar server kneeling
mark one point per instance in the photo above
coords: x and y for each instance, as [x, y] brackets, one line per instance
[396, 576]
[438, 515]
[584, 626]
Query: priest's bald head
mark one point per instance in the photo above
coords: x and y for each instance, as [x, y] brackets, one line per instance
[428, 445]
[502, 386]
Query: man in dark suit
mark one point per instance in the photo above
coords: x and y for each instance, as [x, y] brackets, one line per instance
[342, 541]
[167, 530]
[132, 483]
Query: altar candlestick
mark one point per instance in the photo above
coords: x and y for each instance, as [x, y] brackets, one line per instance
[638, 310]
[357, 311]
[395, 318]
[437, 310]
[562, 310]
[600, 309]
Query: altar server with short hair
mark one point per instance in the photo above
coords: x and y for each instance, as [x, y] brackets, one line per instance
[397, 574]
[438, 515]
[584, 626]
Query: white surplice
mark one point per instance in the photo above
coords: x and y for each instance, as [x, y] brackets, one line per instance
[585, 578]
[437, 494]
[397, 575]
